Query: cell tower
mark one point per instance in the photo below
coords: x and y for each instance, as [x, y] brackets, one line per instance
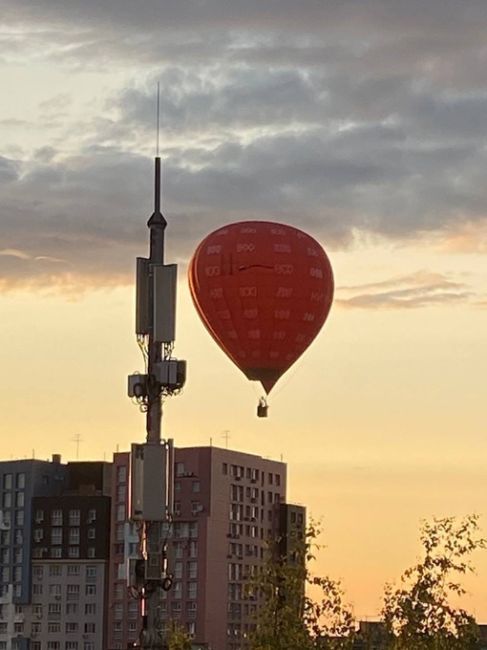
[152, 462]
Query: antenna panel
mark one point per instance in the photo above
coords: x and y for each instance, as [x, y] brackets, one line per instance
[150, 470]
[142, 314]
[165, 280]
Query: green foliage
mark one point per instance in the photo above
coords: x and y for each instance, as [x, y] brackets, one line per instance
[178, 638]
[288, 618]
[419, 614]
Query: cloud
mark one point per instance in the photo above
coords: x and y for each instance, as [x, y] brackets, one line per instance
[343, 118]
[420, 289]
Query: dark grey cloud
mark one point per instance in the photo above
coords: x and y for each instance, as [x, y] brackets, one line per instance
[8, 170]
[342, 117]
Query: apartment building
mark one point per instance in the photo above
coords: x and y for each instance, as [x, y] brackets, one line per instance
[228, 505]
[123, 611]
[20, 482]
[70, 534]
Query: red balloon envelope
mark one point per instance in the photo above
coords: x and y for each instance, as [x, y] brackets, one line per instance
[263, 290]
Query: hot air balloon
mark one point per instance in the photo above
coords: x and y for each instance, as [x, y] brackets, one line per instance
[263, 291]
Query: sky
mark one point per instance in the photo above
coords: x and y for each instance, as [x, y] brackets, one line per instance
[361, 122]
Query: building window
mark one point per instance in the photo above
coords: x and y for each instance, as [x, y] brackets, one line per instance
[74, 535]
[38, 534]
[56, 535]
[55, 590]
[53, 645]
[91, 515]
[225, 468]
[89, 645]
[19, 499]
[72, 608]
[71, 628]
[90, 609]
[118, 611]
[180, 471]
[120, 533]
[192, 590]
[71, 645]
[178, 549]
[90, 628]
[91, 572]
[121, 512]
[73, 569]
[74, 517]
[37, 589]
[178, 570]
[37, 571]
[121, 492]
[192, 570]
[91, 533]
[57, 518]
[196, 487]
[176, 608]
[72, 592]
[193, 549]
[39, 516]
[90, 590]
[56, 552]
[19, 554]
[73, 552]
[177, 486]
[54, 609]
[19, 518]
[7, 500]
[91, 552]
[55, 570]
[122, 474]
[7, 482]
[19, 536]
[53, 628]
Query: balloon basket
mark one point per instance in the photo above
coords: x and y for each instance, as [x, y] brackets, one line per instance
[262, 408]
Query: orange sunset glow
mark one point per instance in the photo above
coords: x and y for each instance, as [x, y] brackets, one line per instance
[362, 124]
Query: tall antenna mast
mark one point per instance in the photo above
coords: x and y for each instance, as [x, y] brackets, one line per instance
[158, 118]
[152, 463]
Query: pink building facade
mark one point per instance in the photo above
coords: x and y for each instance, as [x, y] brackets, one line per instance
[226, 511]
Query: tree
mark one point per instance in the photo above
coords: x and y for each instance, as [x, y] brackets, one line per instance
[178, 638]
[419, 614]
[288, 618]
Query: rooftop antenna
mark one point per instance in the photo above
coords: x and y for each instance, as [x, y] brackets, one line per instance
[77, 439]
[226, 436]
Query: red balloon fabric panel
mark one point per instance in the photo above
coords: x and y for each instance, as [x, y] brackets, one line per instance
[263, 290]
